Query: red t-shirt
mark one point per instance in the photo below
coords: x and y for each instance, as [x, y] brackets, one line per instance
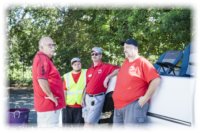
[132, 81]
[75, 77]
[43, 68]
[95, 77]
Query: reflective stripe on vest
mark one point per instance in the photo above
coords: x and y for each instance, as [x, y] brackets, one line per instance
[75, 90]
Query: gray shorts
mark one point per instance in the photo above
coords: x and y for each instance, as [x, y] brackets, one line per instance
[132, 113]
[93, 108]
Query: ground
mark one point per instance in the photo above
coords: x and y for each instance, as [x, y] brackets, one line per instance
[23, 98]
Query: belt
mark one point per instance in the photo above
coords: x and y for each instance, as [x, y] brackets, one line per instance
[94, 95]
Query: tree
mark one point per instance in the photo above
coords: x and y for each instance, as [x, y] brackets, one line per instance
[77, 30]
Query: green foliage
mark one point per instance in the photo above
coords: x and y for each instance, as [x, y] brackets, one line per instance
[77, 30]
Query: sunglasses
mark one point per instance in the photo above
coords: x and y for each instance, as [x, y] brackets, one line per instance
[94, 54]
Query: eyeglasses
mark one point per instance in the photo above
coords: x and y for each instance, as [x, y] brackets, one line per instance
[52, 45]
[94, 54]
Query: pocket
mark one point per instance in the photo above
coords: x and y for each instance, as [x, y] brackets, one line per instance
[100, 99]
[140, 113]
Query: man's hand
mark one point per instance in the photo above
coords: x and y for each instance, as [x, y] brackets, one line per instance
[142, 100]
[105, 82]
[53, 99]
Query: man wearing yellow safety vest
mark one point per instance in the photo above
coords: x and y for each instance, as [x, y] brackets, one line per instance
[74, 84]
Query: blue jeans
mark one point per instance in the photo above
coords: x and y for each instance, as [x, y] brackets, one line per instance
[92, 111]
[132, 113]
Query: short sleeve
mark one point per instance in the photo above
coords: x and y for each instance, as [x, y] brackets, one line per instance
[43, 68]
[112, 68]
[149, 71]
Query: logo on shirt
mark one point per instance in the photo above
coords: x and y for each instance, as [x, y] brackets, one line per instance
[133, 71]
[99, 71]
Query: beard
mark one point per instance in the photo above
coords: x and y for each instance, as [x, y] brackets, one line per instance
[126, 55]
[54, 54]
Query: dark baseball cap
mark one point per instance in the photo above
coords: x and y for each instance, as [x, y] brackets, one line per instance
[130, 42]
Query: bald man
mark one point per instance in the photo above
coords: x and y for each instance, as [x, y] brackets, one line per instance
[47, 85]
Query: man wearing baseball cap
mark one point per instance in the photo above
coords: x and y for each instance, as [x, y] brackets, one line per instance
[137, 80]
[95, 90]
[74, 84]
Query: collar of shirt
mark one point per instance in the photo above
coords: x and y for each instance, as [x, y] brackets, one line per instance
[42, 53]
[99, 64]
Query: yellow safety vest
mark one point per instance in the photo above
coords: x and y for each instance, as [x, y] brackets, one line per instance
[74, 90]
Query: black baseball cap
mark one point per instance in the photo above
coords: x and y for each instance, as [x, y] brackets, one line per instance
[130, 42]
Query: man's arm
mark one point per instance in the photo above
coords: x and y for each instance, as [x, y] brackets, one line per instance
[45, 88]
[151, 89]
[115, 72]
[83, 103]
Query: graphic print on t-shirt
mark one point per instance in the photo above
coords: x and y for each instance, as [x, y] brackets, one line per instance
[133, 71]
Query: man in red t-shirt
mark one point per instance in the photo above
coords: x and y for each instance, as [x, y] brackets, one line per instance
[74, 84]
[95, 90]
[47, 85]
[137, 80]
